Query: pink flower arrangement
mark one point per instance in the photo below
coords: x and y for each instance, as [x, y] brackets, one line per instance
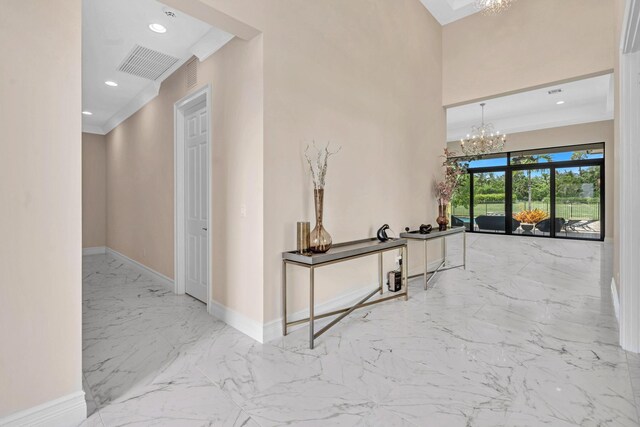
[453, 171]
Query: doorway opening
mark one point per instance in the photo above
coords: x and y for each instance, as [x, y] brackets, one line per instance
[554, 192]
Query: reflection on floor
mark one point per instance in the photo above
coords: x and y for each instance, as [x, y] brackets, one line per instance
[525, 336]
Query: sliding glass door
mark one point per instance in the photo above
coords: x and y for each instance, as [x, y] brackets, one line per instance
[489, 201]
[460, 204]
[556, 192]
[531, 201]
[578, 209]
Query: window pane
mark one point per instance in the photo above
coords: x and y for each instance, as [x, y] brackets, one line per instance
[460, 204]
[531, 195]
[489, 201]
[579, 152]
[487, 162]
[578, 202]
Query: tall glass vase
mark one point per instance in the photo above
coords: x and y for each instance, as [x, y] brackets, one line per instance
[442, 219]
[320, 240]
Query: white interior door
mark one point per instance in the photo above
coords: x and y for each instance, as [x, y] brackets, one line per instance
[196, 201]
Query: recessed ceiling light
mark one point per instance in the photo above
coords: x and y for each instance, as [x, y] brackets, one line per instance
[560, 102]
[111, 83]
[157, 28]
[87, 113]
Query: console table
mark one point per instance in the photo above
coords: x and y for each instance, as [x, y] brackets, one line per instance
[436, 234]
[340, 253]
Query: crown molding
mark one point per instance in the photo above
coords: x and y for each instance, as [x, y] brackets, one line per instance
[448, 11]
[95, 129]
[208, 44]
[147, 94]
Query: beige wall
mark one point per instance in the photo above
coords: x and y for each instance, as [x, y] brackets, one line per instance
[572, 135]
[534, 43]
[323, 81]
[366, 76]
[94, 191]
[40, 189]
[140, 179]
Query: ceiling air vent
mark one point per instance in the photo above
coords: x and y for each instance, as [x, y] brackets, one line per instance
[147, 63]
[192, 72]
[554, 91]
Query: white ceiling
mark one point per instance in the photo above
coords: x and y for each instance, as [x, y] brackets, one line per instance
[585, 101]
[447, 11]
[110, 29]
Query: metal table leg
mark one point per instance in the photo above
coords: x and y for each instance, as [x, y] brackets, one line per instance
[380, 274]
[444, 250]
[426, 266]
[405, 264]
[464, 250]
[311, 307]
[284, 298]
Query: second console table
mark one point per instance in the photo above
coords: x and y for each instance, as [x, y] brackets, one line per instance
[436, 234]
[340, 253]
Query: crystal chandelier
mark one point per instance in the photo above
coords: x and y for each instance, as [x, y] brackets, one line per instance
[492, 7]
[483, 139]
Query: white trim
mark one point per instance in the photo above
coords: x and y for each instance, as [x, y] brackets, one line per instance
[158, 276]
[206, 46]
[210, 43]
[97, 250]
[141, 99]
[629, 192]
[179, 202]
[237, 320]
[69, 410]
[615, 299]
[265, 332]
[94, 129]
[273, 329]
[631, 28]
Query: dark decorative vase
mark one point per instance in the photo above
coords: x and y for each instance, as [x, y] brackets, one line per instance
[442, 219]
[320, 240]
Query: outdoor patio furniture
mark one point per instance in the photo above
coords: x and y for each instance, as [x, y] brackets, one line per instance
[544, 226]
[572, 224]
[456, 222]
[495, 223]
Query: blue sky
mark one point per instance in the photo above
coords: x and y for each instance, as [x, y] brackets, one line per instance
[557, 157]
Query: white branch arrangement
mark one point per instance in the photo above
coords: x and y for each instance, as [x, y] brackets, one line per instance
[318, 167]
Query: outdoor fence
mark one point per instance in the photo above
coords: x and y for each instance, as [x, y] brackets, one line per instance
[566, 210]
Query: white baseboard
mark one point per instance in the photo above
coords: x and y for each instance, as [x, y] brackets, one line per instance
[615, 298]
[158, 276]
[69, 410]
[273, 329]
[239, 321]
[98, 250]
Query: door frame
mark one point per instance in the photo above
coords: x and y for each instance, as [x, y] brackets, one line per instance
[204, 93]
[628, 286]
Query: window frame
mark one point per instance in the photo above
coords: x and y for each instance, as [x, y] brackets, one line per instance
[552, 167]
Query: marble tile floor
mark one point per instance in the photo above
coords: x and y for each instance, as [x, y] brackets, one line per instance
[526, 336]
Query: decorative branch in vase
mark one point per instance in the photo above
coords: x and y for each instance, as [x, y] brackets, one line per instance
[454, 169]
[320, 239]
